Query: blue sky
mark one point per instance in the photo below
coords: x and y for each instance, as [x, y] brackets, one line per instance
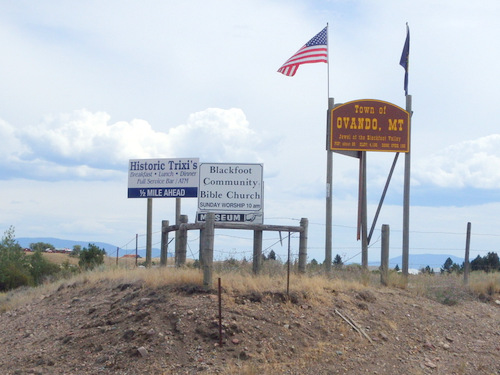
[86, 86]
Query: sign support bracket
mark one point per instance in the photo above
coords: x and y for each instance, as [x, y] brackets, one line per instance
[389, 177]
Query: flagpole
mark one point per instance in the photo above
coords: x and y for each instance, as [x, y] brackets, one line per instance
[329, 173]
[327, 63]
[406, 198]
[406, 192]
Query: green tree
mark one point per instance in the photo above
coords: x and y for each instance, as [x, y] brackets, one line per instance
[455, 268]
[75, 253]
[91, 257]
[427, 270]
[492, 262]
[337, 261]
[488, 263]
[396, 268]
[14, 266]
[272, 255]
[477, 264]
[41, 246]
[448, 263]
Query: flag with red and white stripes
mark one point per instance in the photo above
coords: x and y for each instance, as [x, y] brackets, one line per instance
[314, 51]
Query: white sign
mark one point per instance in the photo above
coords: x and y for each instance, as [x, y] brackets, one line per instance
[163, 178]
[234, 192]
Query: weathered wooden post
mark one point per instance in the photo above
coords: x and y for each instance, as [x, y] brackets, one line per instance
[180, 258]
[304, 223]
[257, 251]
[202, 241]
[384, 257]
[136, 247]
[208, 249]
[149, 232]
[164, 243]
[467, 249]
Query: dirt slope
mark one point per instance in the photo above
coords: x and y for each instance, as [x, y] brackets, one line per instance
[116, 328]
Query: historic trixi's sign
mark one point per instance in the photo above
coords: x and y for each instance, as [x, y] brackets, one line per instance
[163, 178]
[234, 192]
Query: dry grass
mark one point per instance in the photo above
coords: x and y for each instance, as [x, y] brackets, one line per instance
[450, 289]
[315, 286]
[482, 283]
[316, 289]
[59, 258]
[24, 295]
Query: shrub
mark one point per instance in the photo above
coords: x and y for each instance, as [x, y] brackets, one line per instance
[41, 267]
[91, 257]
[75, 253]
[14, 267]
[13, 276]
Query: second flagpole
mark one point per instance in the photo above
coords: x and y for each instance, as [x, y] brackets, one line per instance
[329, 173]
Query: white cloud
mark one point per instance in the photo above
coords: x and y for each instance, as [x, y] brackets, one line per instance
[85, 145]
[474, 163]
[12, 147]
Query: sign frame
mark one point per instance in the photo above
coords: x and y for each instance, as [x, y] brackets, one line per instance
[233, 191]
[369, 125]
[163, 178]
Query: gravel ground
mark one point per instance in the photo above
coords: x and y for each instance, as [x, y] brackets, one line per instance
[110, 327]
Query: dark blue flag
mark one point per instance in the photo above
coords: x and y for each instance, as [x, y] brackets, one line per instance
[405, 58]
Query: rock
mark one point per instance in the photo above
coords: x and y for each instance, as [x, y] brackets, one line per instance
[142, 351]
[383, 336]
[430, 364]
[102, 359]
[497, 301]
[128, 335]
[235, 341]
[428, 345]
[66, 339]
[243, 355]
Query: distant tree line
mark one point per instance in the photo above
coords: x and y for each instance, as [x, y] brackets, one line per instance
[489, 263]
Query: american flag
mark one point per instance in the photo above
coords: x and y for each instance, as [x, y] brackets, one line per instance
[314, 51]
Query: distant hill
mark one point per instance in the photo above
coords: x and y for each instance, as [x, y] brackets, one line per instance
[59, 243]
[418, 261]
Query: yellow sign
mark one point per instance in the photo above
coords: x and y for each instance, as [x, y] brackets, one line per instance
[369, 125]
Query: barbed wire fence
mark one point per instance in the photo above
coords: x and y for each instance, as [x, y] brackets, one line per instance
[137, 243]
